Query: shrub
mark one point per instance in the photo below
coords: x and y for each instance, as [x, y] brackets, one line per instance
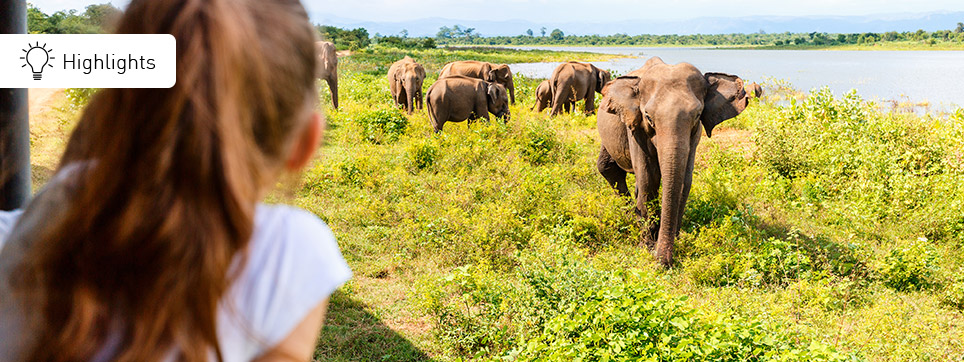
[630, 322]
[382, 125]
[422, 154]
[910, 268]
[539, 144]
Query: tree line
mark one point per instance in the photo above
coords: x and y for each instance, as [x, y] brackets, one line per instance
[557, 37]
[99, 18]
[462, 35]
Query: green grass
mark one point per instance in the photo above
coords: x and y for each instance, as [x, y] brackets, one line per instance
[822, 230]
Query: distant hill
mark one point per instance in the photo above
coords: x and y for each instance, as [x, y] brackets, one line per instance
[708, 25]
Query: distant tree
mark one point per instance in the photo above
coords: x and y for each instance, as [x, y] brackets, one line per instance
[529, 32]
[96, 19]
[543, 30]
[353, 39]
[403, 33]
[444, 33]
[960, 28]
[556, 34]
[103, 16]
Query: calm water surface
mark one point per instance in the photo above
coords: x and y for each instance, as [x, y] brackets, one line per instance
[934, 76]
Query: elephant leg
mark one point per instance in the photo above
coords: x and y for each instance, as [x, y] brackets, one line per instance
[420, 98]
[333, 87]
[436, 115]
[614, 175]
[590, 105]
[560, 98]
[688, 180]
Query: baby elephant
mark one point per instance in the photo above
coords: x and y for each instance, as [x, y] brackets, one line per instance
[459, 98]
[543, 96]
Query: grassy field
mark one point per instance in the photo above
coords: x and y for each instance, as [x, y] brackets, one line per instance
[821, 230]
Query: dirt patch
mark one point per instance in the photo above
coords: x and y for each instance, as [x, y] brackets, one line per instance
[731, 139]
[41, 99]
[344, 53]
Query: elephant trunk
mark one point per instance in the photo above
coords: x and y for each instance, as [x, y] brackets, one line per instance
[511, 88]
[673, 159]
[410, 94]
[333, 87]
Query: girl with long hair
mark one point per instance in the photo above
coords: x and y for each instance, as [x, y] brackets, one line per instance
[150, 242]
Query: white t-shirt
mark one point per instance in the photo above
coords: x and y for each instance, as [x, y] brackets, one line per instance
[293, 264]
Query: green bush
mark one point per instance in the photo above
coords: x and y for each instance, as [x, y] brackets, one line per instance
[910, 268]
[423, 154]
[382, 125]
[632, 322]
[539, 144]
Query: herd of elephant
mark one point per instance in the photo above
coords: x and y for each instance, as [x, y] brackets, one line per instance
[650, 121]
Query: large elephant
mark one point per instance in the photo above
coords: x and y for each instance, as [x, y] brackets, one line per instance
[650, 125]
[328, 68]
[496, 73]
[458, 98]
[405, 82]
[574, 81]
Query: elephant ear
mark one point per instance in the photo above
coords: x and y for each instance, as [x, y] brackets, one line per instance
[491, 91]
[420, 71]
[488, 74]
[725, 99]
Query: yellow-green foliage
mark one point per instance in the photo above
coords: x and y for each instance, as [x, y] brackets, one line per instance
[826, 215]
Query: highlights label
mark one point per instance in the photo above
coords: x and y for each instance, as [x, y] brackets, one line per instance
[87, 60]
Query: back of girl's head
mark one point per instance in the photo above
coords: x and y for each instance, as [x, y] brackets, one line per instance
[166, 201]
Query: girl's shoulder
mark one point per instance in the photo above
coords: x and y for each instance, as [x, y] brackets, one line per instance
[293, 263]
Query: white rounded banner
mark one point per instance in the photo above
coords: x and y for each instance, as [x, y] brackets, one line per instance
[87, 60]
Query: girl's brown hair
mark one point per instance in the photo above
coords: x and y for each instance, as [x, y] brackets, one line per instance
[150, 242]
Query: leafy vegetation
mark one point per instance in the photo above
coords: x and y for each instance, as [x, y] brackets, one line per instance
[940, 38]
[352, 39]
[461, 35]
[95, 19]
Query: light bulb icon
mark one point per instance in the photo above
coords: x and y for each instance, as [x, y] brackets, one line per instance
[37, 57]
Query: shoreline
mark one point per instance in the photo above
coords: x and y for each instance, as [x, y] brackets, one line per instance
[846, 47]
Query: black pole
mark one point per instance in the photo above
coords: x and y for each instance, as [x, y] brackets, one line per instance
[14, 128]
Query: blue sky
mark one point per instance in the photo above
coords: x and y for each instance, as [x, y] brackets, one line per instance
[578, 10]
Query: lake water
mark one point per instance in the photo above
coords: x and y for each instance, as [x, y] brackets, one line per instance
[933, 76]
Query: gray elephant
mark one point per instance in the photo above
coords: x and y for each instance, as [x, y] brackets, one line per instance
[574, 81]
[458, 98]
[405, 79]
[496, 73]
[328, 67]
[650, 125]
